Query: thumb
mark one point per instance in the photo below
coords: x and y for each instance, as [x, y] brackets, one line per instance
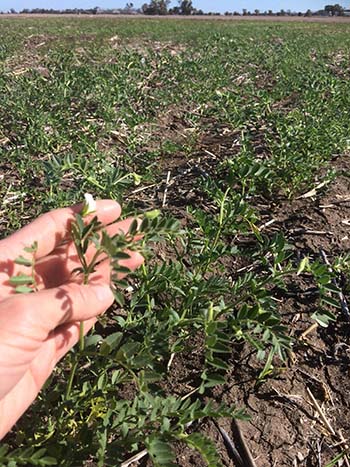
[73, 302]
[36, 315]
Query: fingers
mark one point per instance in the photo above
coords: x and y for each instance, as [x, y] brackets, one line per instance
[56, 268]
[47, 309]
[16, 401]
[35, 315]
[51, 228]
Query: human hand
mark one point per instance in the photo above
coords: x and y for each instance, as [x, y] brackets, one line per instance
[38, 329]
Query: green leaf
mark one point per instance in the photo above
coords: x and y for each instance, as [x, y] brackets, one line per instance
[105, 349]
[160, 452]
[220, 347]
[304, 263]
[21, 279]
[243, 312]
[121, 269]
[89, 228]
[150, 376]
[337, 458]
[38, 454]
[102, 381]
[213, 379]
[152, 214]
[211, 341]
[205, 447]
[48, 461]
[324, 280]
[121, 255]
[323, 317]
[217, 363]
[133, 227]
[144, 224]
[23, 289]
[31, 249]
[92, 340]
[102, 443]
[119, 297]
[331, 288]
[113, 340]
[4, 449]
[116, 375]
[268, 367]
[79, 222]
[23, 261]
[331, 301]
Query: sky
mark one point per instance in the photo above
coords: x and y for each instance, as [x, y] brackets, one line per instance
[205, 5]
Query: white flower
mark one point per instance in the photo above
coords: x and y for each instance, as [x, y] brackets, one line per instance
[89, 205]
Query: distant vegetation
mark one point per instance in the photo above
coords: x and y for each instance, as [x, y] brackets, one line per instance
[185, 7]
[238, 131]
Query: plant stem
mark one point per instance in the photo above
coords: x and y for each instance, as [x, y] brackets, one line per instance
[218, 232]
[71, 377]
[149, 304]
[81, 348]
[81, 328]
[81, 336]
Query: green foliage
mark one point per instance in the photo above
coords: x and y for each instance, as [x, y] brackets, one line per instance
[336, 459]
[160, 452]
[26, 283]
[205, 447]
[83, 110]
[324, 278]
[28, 456]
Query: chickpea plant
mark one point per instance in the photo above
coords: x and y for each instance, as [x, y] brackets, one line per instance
[26, 283]
[154, 421]
[240, 145]
[113, 247]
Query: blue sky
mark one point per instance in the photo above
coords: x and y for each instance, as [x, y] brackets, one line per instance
[205, 5]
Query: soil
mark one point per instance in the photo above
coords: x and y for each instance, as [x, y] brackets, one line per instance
[286, 426]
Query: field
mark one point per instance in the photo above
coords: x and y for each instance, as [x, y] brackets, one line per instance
[237, 325]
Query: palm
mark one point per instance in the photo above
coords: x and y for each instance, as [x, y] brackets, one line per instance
[37, 329]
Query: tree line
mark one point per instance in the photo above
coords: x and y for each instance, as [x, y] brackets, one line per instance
[184, 7]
